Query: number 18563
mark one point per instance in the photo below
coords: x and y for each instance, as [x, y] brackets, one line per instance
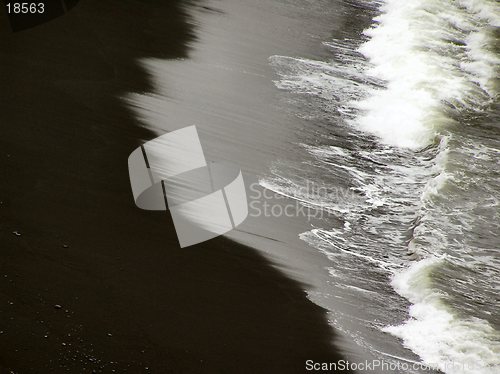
[25, 8]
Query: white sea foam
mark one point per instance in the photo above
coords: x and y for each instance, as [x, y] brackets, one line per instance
[318, 78]
[440, 337]
[415, 46]
[436, 183]
[328, 236]
[409, 48]
[483, 62]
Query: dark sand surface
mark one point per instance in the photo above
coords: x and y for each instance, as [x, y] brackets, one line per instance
[131, 300]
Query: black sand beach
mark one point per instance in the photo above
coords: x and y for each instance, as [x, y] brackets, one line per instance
[88, 282]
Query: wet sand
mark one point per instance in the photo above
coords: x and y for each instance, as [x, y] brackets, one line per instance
[87, 280]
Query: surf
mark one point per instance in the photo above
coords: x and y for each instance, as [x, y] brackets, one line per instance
[400, 95]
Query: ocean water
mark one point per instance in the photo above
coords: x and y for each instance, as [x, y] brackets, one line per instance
[403, 132]
[398, 143]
